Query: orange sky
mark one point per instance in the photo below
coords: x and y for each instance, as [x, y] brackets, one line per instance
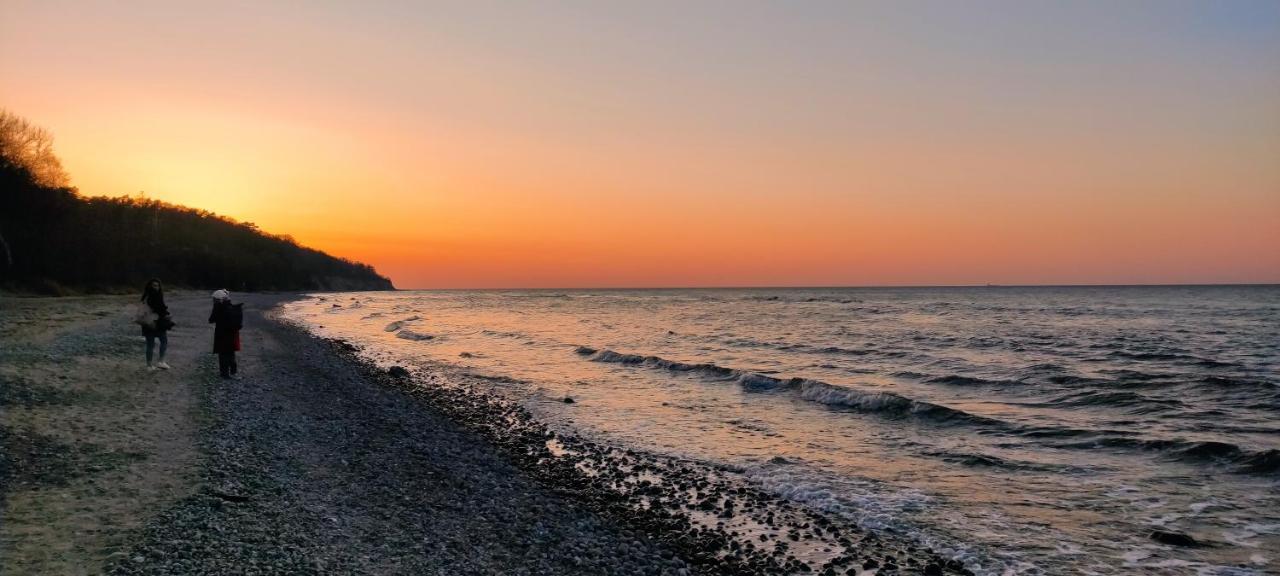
[565, 145]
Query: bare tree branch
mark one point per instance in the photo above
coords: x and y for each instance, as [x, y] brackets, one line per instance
[31, 147]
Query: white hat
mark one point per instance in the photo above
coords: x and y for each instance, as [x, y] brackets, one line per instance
[221, 295]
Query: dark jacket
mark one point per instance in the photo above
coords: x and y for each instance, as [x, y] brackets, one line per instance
[155, 301]
[226, 335]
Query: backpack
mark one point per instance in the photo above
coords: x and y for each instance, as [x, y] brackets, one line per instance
[235, 316]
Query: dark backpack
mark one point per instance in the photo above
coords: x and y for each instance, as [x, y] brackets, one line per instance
[235, 316]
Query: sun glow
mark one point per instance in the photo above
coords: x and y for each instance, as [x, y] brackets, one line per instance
[611, 147]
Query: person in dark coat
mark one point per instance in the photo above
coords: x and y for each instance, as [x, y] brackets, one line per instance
[226, 319]
[153, 298]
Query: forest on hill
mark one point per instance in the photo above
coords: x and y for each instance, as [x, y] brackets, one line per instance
[55, 241]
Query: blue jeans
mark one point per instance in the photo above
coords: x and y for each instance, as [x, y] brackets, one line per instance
[151, 344]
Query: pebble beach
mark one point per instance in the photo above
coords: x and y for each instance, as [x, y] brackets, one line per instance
[315, 461]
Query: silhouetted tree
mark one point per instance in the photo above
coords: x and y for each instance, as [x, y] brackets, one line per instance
[31, 147]
[53, 240]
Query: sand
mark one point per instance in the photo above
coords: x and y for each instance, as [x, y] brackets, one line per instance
[94, 446]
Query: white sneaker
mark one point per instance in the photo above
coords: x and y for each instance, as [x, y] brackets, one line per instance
[162, 365]
[151, 368]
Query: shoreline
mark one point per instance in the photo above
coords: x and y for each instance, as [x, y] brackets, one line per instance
[318, 461]
[719, 524]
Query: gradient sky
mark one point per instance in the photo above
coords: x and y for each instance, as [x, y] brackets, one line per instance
[737, 143]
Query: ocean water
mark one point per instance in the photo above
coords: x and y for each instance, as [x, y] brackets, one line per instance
[1020, 430]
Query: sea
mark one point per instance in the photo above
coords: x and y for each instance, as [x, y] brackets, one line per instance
[1019, 430]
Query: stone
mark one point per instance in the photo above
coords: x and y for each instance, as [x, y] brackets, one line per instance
[1174, 538]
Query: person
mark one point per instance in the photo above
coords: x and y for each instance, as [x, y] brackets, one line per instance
[226, 319]
[153, 298]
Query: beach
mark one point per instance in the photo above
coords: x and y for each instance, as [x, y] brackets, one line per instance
[1028, 430]
[316, 462]
[615, 288]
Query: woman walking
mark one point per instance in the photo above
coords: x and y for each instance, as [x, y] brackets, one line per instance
[226, 319]
[157, 328]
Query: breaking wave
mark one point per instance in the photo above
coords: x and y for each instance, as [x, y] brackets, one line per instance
[896, 406]
[841, 397]
[1241, 460]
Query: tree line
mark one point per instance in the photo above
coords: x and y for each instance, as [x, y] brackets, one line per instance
[55, 241]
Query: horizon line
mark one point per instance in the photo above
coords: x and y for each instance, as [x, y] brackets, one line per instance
[861, 286]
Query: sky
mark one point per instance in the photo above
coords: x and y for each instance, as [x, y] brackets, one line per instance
[608, 144]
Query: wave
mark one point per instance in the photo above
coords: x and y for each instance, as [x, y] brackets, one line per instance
[976, 460]
[1170, 357]
[502, 334]
[1265, 462]
[610, 356]
[891, 405]
[398, 324]
[957, 380]
[793, 299]
[911, 375]
[806, 348]
[1224, 382]
[1112, 398]
[1241, 460]
[1137, 375]
[408, 334]
[953, 379]
[845, 351]
[884, 403]
[1071, 379]
[796, 299]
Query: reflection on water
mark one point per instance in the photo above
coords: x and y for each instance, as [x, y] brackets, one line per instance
[1017, 428]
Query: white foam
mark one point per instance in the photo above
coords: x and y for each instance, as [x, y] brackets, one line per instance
[824, 393]
[1241, 538]
[1132, 557]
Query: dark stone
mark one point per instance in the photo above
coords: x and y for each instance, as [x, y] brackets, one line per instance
[398, 372]
[568, 400]
[229, 497]
[1174, 538]
[933, 570]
